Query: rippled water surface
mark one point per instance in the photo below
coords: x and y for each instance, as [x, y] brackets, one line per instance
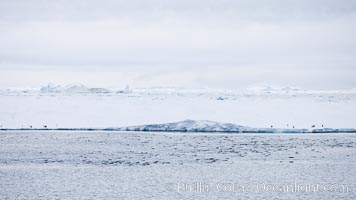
[142, 165]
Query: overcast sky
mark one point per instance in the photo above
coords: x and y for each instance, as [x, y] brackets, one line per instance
[190, 43]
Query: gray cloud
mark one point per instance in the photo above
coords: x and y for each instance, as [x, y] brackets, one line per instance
[154, 9]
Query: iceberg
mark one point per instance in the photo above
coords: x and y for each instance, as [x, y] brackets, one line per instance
[99, 90]
[76, 89]
[51, 88]
[212, 126]
[73, 88]
[188, 126]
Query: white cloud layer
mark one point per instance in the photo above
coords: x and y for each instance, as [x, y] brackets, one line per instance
[225, 43]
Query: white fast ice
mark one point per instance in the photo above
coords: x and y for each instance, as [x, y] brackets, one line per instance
[78, 106]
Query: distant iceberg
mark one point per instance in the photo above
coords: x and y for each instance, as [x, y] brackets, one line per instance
[51, 88]
[218, 94]
[188, 126]
[266, 89]
[127, 90]
[72, 88]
